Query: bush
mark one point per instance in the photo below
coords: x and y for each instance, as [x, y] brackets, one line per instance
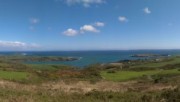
[171, 66]
[171, 95]
[111, 71]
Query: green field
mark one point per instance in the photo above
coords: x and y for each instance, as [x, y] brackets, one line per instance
[175, 60]
[152, 82]
[47, 67]
[129, 75]
[8, 75]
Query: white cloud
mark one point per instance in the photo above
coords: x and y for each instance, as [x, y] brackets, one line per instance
[147, 10]
[70, 32]
[17, 45]
[34, 20]
[84, 29]
[123, 19]
[88, 28]
[99, 24]
[85, 3]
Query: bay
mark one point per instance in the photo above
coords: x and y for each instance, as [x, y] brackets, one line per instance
[91, 57]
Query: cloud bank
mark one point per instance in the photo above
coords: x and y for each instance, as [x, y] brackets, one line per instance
[17, 45]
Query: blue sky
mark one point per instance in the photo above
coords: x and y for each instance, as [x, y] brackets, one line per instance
[89, 24]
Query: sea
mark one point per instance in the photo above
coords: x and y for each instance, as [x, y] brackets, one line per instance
[87, 58]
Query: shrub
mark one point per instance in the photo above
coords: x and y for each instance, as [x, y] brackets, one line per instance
[171, 95]
[111, 71]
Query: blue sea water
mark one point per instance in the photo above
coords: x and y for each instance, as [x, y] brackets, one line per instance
[92, 57]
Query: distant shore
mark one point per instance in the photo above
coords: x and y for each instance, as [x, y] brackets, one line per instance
[150, 55]
[21, 58]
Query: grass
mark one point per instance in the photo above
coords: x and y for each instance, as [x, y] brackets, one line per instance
[9, 95]
[41, 66]
[159, 64]
[47, 67]
[43, 74]
[15, 95]
[129, 75]
[9, 75]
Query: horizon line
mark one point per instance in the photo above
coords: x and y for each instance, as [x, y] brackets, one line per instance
[83, 50]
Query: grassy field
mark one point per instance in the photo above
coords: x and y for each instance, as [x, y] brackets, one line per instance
[175, 60]
[40, 66]
[129, 75]
[46, 66]
[9, 75]
[22, 82]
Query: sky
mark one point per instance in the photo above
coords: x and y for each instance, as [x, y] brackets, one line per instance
[43, 25]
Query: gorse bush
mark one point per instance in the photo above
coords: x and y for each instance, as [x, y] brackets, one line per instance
[171, 95]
